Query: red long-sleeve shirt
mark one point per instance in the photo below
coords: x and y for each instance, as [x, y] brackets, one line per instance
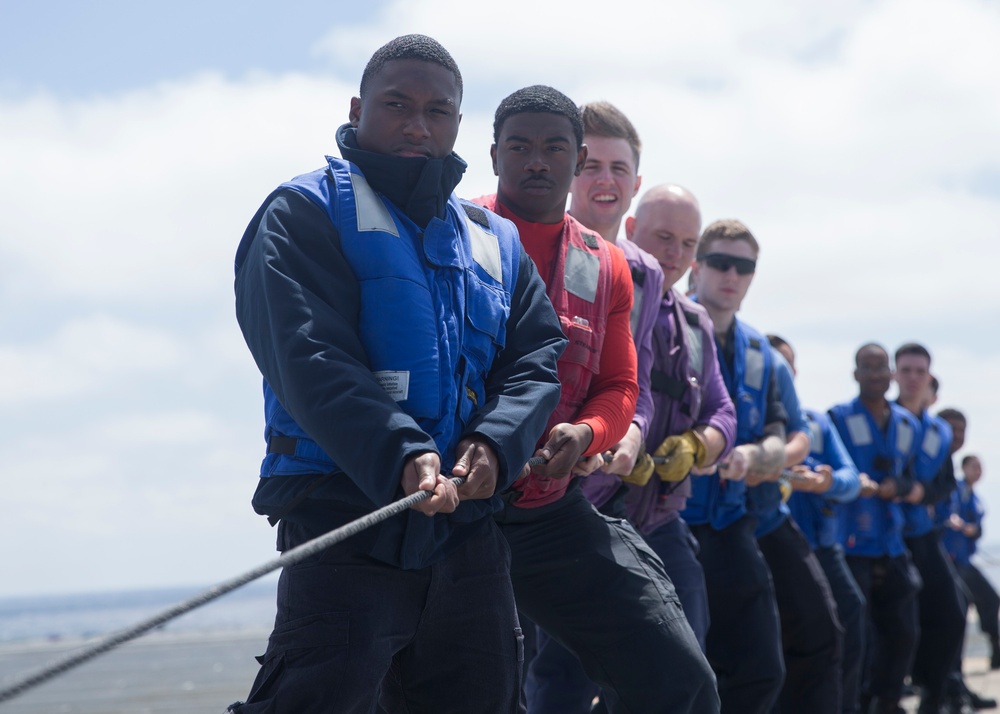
[612, 395]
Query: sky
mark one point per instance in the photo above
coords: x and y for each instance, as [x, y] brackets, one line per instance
[859, 141]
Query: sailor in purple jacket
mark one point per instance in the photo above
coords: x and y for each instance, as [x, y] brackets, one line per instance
[694, 421]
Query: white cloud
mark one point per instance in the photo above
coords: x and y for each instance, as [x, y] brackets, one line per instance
[849, 137]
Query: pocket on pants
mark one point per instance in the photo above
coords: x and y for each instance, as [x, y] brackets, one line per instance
[299, 658]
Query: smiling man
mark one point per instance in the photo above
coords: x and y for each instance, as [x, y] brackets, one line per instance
[589, 581]
[402, 335]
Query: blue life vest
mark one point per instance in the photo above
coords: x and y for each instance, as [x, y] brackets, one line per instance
[416, 285]
[966, 504]
[765, 501]
[815, 513]
[872, 527]
[713, 500]
[933, 449]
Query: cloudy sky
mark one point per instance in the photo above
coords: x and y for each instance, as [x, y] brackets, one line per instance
[860, 141]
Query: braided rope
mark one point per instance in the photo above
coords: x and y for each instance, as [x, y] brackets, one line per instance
[289, 557]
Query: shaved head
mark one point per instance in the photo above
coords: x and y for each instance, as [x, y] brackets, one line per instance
[677, 197]
[666, 225]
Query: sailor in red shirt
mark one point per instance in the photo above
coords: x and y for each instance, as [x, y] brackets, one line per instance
[588, 580]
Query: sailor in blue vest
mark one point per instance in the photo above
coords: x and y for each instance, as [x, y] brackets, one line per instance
[826, 478]
[964, 529]
[811, 634]
[941, 610]
[977, 589]
[880, 436]
[744, 638]
[402, 335]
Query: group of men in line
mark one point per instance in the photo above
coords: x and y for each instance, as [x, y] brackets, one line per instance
[649, 557]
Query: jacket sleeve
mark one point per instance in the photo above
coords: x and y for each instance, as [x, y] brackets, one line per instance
[522, 387]
[846, 482]
[297, 303]
[643, 338]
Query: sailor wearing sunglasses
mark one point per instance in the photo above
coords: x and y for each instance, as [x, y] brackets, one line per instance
[744, 640]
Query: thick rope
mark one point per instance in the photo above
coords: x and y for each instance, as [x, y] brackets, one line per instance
[289, 557]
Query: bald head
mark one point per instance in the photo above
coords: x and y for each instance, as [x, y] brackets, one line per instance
[666, 225]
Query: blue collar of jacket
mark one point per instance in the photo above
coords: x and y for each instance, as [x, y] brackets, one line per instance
[419, 187]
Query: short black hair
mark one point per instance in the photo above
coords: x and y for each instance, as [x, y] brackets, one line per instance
[538, 99]
[935, 384]
[952, 415]
[867, 346]
[913, 348]
[777, 341]
[966, 459]
[418, 47]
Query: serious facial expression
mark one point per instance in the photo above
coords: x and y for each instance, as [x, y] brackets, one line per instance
[723, 290]
[914, 377]
[669, 232]
[603, 192]
[410, 108]
[972, 470]
[872, 372]
[536, 158]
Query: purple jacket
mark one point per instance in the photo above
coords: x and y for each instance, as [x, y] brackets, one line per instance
[647, 283]
[687, 390]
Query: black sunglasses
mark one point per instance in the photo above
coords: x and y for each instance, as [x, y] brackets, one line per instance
[723, 262]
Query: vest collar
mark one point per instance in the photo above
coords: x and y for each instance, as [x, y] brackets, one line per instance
[419, 187]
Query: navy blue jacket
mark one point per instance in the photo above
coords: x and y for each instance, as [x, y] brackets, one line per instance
[298, 304]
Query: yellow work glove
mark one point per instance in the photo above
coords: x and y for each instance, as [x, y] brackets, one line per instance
[641, 472]
[680, 453]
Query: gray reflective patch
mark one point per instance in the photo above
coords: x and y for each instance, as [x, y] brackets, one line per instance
[932, 443]
[485, 249]
[372, 213]
[582, 271]
[858, 430]
[636, 306]
[696, 348]
[753, 370]
[816, 434]
[904, 437]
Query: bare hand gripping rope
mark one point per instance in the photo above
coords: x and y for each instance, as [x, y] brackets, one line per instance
[289, 557]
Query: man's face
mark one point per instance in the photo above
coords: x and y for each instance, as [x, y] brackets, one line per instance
[536, 158]
[913, 376]
[723, 289]
[410, 108]
[603, 192]
[668, 231]
[973, 470]
[786, 352]
[957, 433]
[872, 372]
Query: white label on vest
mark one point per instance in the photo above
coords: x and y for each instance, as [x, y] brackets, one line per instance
[582, 272]
[372, 213]
[696, 349]
[395, 384]
[932, 442]
[904, 437]
[753, 369]
[816, 434]
[633, 317]
[858, 430]
[485, 249]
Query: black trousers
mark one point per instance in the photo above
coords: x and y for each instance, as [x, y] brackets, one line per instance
[984, 597]
[851, 608]
[890, 586]
[811, 635]
[352, 634]
[941, 614]
[592, 583]
[744, 637]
